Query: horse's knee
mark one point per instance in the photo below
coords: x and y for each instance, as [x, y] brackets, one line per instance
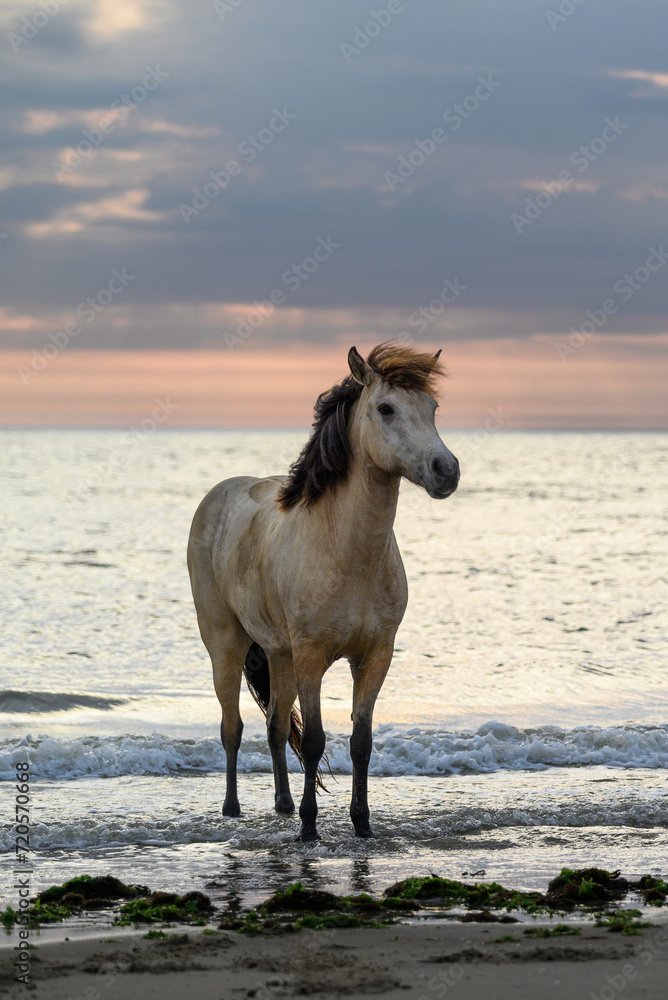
[313, 744]
[361, 743]
[278, 730]
[230, 734]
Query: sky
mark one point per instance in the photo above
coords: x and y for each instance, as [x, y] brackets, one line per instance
[196, 196]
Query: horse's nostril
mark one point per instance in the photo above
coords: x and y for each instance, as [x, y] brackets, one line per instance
[445, 470]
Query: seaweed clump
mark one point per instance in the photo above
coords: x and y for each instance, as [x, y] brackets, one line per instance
[622, 921]
[653, 890]
[557, 931]
[582, 888]
[296, 897]
[166, 907]
[483, 896]
[317, 910]
[585, 887]
[88, 892]
[58, 902]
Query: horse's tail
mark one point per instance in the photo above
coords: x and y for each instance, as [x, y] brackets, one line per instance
[256, 670]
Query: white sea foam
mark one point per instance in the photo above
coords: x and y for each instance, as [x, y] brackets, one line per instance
[493, 747]
[393, 832]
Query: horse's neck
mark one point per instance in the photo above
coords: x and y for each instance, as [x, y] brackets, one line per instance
[360, 512]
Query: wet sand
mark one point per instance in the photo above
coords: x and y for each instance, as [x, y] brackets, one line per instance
[424, 961]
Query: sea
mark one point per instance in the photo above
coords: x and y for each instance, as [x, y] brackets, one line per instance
[523, 725]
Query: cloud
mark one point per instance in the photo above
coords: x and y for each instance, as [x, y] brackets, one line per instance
[325, 173]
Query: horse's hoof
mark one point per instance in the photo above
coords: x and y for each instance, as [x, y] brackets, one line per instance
[232, 809]
[284, 805]
[307, 835]
[364, 831]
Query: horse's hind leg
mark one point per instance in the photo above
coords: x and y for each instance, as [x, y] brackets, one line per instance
[282, 698]
[225, 640]
[227, 648]
[310, 667]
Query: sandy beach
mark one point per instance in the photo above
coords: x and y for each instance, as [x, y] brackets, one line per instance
[423, 961]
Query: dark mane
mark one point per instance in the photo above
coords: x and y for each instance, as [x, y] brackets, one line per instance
[325, 459]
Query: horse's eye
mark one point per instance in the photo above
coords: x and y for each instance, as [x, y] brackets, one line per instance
[386, 409]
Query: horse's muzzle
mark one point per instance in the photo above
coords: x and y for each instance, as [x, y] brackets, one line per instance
[443, 477]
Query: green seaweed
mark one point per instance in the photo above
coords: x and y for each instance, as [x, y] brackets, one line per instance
[9, 917]
[547, 932]
[622, 921]
[165, 907]
[296, 907]
[58, 902]
[38, 913]
[296, 897]
[653, 890]
[476, 896]
[586, 887]
[96, 889]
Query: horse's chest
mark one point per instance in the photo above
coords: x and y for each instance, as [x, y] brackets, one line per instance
[342, 605]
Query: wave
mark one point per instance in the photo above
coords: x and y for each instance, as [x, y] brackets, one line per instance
[261, 830]
[397, 752]
[20, 702]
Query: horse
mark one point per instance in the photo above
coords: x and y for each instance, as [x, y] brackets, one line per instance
[290, 573]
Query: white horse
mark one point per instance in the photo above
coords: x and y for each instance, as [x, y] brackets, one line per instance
[290, 573]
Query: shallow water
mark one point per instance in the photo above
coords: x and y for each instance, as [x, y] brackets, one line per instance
[523, 725]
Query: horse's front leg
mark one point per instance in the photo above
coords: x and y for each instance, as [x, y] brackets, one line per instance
[282, 698]
[310, 667]
[368, 676]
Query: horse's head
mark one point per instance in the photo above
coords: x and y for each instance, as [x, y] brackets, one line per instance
[395, 417]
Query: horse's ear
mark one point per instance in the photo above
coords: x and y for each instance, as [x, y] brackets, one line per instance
[359, 369]
[437, 355]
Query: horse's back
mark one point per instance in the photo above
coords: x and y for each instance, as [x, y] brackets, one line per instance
[230, 505]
